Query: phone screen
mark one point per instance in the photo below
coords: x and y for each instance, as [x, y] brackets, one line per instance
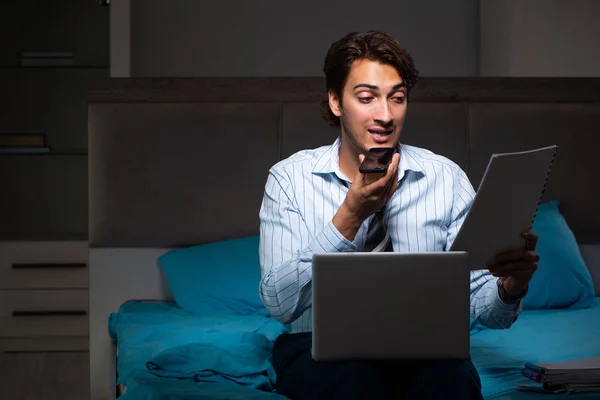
[377, 160]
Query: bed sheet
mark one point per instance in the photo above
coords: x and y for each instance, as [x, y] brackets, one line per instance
[169, 389]
[165, 352]
[537, 336]
[148, 329]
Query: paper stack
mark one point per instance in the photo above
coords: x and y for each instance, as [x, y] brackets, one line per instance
[565, 376]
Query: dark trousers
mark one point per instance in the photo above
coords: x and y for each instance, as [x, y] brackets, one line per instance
[300, 377]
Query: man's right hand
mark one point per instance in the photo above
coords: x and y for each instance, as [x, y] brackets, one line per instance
[367, 194]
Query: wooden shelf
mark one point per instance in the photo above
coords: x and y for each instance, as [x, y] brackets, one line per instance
[21, 68]
[52, 153]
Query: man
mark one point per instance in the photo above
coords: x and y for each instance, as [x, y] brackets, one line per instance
[317, 201]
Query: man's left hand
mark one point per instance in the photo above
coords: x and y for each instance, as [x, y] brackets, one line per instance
[516, 267]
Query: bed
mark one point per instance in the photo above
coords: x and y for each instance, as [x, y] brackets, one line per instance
[174, 308]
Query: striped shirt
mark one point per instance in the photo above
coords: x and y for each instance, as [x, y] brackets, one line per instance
[302, 195]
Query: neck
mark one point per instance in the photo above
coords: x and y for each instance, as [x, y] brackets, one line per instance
[348, 158]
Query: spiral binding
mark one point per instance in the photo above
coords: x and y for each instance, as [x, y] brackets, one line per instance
[544, 187]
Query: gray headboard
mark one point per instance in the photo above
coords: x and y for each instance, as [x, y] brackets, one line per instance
[175, 162]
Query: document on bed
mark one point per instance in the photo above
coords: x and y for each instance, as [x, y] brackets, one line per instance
[505, 204]
[563, 376]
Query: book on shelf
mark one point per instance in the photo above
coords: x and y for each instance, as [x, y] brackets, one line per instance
[22, 140]
[47, 54]
[25, 150]
[23, 143]
[47, 59]
[582, 375]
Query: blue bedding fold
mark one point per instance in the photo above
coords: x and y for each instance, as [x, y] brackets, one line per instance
[240, 357]
[161, 340]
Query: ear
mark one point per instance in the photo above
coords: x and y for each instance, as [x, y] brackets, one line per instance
[334, 103]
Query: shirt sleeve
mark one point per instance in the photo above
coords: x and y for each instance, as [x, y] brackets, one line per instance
[487, 308]
[286, 250]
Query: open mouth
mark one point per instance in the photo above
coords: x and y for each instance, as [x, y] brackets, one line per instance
[379, 132]
[380, 135]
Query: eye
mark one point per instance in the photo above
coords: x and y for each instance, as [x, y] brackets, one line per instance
[364, 99]
[399, 99]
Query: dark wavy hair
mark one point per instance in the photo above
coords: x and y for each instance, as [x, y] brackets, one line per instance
[370, 45]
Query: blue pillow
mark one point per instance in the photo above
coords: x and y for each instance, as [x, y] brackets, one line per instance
[215, 278]
[562, 279]
[223, 357]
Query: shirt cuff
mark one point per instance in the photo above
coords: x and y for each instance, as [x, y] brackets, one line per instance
[330, 240]
[504, 297]
[507, 312]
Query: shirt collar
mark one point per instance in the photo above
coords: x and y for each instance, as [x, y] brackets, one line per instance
[329, 162]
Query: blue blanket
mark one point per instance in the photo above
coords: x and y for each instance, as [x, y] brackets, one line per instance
[167, 353]
[240, 357]
[179, 389]
[537, 336]
[160, 340]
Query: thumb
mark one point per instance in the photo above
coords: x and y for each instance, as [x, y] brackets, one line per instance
[359, 175]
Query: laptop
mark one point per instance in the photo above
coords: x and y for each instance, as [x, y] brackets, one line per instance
[389, 305]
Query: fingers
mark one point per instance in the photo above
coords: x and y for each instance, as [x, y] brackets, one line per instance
[519, 274]
[395, 161]
[392, 182]
[359, 177]
[391, 189]
[517, 255]
[394, 165]
[519, 262]
[515, 268]
[374, 191]
[531, 239]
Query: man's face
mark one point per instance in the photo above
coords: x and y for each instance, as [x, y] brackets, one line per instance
[373, 106]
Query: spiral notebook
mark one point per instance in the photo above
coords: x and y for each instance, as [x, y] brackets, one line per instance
[505, 204]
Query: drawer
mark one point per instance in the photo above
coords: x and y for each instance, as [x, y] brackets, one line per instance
[43, 265]
[45, 375]
[34, 344]
[43, 313]
[19, 302]
[44, 326]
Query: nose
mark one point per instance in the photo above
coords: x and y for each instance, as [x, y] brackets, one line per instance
[382, 113]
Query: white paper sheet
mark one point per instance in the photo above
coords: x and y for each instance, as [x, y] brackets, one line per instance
[505, 204]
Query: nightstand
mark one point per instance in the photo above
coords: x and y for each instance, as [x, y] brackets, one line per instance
[44, 328]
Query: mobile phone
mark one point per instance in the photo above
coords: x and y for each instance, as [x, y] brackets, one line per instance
[377, 160]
